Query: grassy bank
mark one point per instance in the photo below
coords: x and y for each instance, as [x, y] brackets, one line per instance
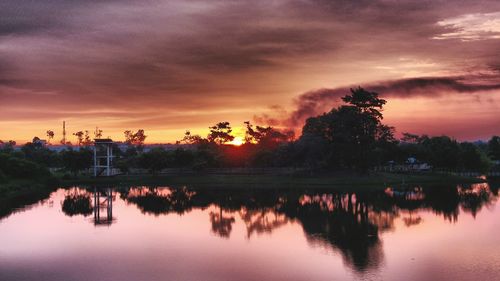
[20, 187]
[14, 189]
[18, 193]
[338, 181]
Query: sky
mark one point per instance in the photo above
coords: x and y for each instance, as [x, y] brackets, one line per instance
[168, 66]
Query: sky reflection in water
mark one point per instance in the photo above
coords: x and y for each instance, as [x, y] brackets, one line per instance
[148, 233]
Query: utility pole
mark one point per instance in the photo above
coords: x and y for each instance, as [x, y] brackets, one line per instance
[64, 133]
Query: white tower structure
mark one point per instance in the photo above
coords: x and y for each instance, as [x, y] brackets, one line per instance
[103, 157]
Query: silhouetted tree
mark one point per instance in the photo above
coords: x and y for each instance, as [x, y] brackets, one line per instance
[13, 166]
[79, 137]
[264, 136]
[97, 133]
[50, 135]
[183, 158]
[35, 151]
[494, 147]
[154, 160]
[411, 146]
[473, 159]
[309, 151]
[76, 161]
[86, 139]
[261, 146]
[386, 146]
[189, 138]
[353, 130]
[442, 152]
[220, 133]
[136, 138]
[7, 147]
[366, 102]
[123, 164]
[412, 138]
[207, 154]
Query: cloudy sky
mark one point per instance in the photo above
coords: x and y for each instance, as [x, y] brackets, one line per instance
[168, 66]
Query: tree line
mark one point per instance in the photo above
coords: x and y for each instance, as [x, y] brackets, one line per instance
[351, 136]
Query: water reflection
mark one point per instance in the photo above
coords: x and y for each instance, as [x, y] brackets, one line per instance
[264, 220]
[348, 223]
[221, 224]
[103, 206]
[474, 197]
[158, 201]
[345, 222]
[99, 202]
[77, 202]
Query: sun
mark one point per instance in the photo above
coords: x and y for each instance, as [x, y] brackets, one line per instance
[237, 141]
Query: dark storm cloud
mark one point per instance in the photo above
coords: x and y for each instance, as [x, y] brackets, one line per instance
[219, 36]
[25, 17]
[316, 102]
[227, 49]
[19, 17]
[435, 86]
[121, 53]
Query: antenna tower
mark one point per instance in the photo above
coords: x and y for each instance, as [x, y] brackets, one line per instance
[64, 132]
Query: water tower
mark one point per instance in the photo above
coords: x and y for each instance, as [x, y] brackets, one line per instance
[103, 157]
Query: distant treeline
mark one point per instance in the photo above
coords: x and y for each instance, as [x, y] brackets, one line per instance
[349, 137]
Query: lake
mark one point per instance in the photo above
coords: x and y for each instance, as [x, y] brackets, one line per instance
[161, 233]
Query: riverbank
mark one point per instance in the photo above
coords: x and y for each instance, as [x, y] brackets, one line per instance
[26, 186]
[340, 181]
[18, 193]
[335, 181]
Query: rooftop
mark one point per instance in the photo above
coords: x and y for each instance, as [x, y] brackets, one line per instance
[103, 141]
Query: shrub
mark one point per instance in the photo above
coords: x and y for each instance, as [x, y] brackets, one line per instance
[21, 168]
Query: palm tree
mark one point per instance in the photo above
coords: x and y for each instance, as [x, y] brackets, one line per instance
[50, 135]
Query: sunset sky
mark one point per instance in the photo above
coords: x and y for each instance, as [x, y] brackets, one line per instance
[167, 66]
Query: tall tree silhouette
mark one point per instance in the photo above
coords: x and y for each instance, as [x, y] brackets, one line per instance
[353, 130]
[220, 133]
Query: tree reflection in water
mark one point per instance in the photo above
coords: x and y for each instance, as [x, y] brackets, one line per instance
[157, 201]
[342, 221]
[262, 221]
[347, 222]
[99, 201]
[474, 197]
[221, 225]
[77, 201]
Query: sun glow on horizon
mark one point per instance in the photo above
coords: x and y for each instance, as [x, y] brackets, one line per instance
[237, 141]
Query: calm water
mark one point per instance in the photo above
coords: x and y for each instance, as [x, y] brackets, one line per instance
[161, 233]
